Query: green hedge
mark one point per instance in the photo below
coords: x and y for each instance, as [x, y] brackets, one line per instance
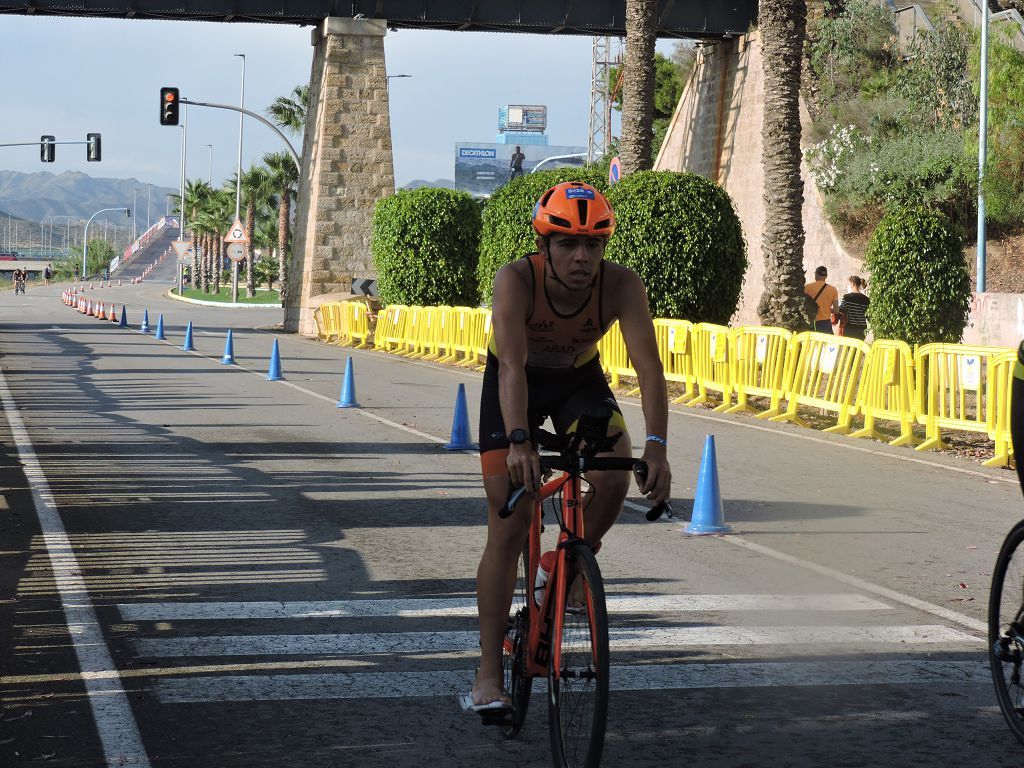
[920, 286]
[680, 233]
[424, 247]
[507, 219]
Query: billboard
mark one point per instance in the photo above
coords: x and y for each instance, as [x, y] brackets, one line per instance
[529, 118]
[480, 168]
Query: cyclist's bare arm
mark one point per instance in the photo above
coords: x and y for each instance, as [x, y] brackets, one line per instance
[510, 307]
[631, 307]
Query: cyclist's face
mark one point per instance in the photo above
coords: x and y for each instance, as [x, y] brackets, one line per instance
[576, 258]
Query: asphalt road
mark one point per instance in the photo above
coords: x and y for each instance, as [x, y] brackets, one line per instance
[199, 567]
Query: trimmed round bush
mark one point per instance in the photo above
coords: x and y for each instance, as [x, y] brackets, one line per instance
[424, 247]
[508, 219]
[920, 286]
[680, 233]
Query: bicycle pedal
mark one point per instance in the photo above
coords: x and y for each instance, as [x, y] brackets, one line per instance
[497, 717]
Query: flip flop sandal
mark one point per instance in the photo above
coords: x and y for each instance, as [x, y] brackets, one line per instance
[491, 707]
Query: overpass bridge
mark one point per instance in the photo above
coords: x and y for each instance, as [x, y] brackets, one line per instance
[346, 156]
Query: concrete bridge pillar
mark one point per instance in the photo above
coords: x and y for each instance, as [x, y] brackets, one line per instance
[346, 165]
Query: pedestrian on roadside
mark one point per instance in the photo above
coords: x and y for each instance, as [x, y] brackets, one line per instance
[854, 308]
[826, 297]
[47, 274]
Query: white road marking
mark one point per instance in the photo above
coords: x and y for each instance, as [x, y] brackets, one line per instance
[655, 677]
[890, 594]
[466, 607]
[620, 638]
[115, 723]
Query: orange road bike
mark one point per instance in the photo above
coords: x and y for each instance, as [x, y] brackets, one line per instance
[561, 633]
[1006, 599]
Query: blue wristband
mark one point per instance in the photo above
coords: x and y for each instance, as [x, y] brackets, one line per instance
[657, 439]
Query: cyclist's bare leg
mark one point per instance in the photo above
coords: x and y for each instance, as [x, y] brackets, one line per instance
[604, 502]
[495, 582]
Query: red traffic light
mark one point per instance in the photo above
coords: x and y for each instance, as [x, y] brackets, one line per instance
[170, 96]
[169, 101]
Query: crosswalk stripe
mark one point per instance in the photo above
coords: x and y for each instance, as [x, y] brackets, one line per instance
[619, 638]
[466, 607]
[390, 685]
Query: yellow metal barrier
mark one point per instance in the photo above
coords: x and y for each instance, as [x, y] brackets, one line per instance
[614, 358]
[457, 334]
[952, 389]
[356, 323]
[333, 322]
[1000, 389]
[321, 323]
[479, 335]
[412, 332]
[389, 334]
[673, 338]
[712, 354]
[759, 367]
[887, 391]
[825, 371]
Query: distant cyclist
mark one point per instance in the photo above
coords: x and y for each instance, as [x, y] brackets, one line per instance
[549, 310]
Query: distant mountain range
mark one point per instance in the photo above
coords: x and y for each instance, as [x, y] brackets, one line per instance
[416, 184]
[34, 196]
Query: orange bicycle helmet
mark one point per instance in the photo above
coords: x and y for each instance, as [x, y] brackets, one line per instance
[573, 208]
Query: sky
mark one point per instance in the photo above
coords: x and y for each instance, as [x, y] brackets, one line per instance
[70, 76]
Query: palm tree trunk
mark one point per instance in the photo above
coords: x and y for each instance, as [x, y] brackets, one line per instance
[782, 24]
[283, 213]
[250, 232]
[218, 264]
[198, 239]
[204, 270]
[638, 86]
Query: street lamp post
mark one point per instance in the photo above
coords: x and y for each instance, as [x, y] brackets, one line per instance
[982, 150]
[85, 234]
[209, 174]
[238, 180]
[135, 230]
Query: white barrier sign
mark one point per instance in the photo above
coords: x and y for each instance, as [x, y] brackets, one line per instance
[828, 358]
[714, 344]
[762, 349]
[970, 372]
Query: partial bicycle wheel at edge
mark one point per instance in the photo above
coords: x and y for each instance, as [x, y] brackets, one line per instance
[517, 684]
[1006, 629]
[578, 698]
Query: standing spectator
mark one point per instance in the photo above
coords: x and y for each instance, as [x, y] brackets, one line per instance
[517, 163]
[854, 307]
[826, 297]
[47, 274]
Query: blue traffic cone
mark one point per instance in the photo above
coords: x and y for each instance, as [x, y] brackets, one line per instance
[188, 346]
[145, 322]
[160, 329]
[229, 351]
[348, 388]
[461, 439]
[708, 516]
[274, 373]
[124, 317]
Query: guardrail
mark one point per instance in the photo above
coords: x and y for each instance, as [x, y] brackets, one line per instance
[940, 386]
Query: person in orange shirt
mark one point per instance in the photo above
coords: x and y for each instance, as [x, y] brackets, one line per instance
[826, 297]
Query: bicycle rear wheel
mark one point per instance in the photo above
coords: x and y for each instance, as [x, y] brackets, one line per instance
[1006, 629]
[517, 682]
[578, 694]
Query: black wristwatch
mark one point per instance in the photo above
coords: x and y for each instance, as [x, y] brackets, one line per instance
[518, 436]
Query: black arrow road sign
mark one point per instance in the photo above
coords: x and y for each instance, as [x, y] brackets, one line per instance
[364, 287]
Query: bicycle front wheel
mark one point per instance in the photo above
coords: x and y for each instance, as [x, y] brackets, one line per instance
[1006, 629]
[518, 683]
[578, 689]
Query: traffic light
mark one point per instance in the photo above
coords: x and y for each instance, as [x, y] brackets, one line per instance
[92, 148]
[168, 106]
[47, 149]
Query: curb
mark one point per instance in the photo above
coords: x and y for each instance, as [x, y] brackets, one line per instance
[171, 295]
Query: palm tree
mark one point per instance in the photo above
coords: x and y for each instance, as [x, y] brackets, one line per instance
[223, 210]
[197, 193]
[256, 191]
[290, 111]
[638, 86]
[783, 24]
[285, 179]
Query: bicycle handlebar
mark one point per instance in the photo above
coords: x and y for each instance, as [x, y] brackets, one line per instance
[578, 465]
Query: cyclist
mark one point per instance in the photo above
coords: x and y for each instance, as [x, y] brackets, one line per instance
[549, 310]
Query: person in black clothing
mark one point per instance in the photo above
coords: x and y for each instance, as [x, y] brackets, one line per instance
[1017, 414]
[516, 165]
[854, 308]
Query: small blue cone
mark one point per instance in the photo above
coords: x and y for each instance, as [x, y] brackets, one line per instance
[274, 374]
[188, 346]
[348, 388]
[461, 439]
[708, 517]
[160, 329]
[145, 322]
[229, 351]
[124, 317]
